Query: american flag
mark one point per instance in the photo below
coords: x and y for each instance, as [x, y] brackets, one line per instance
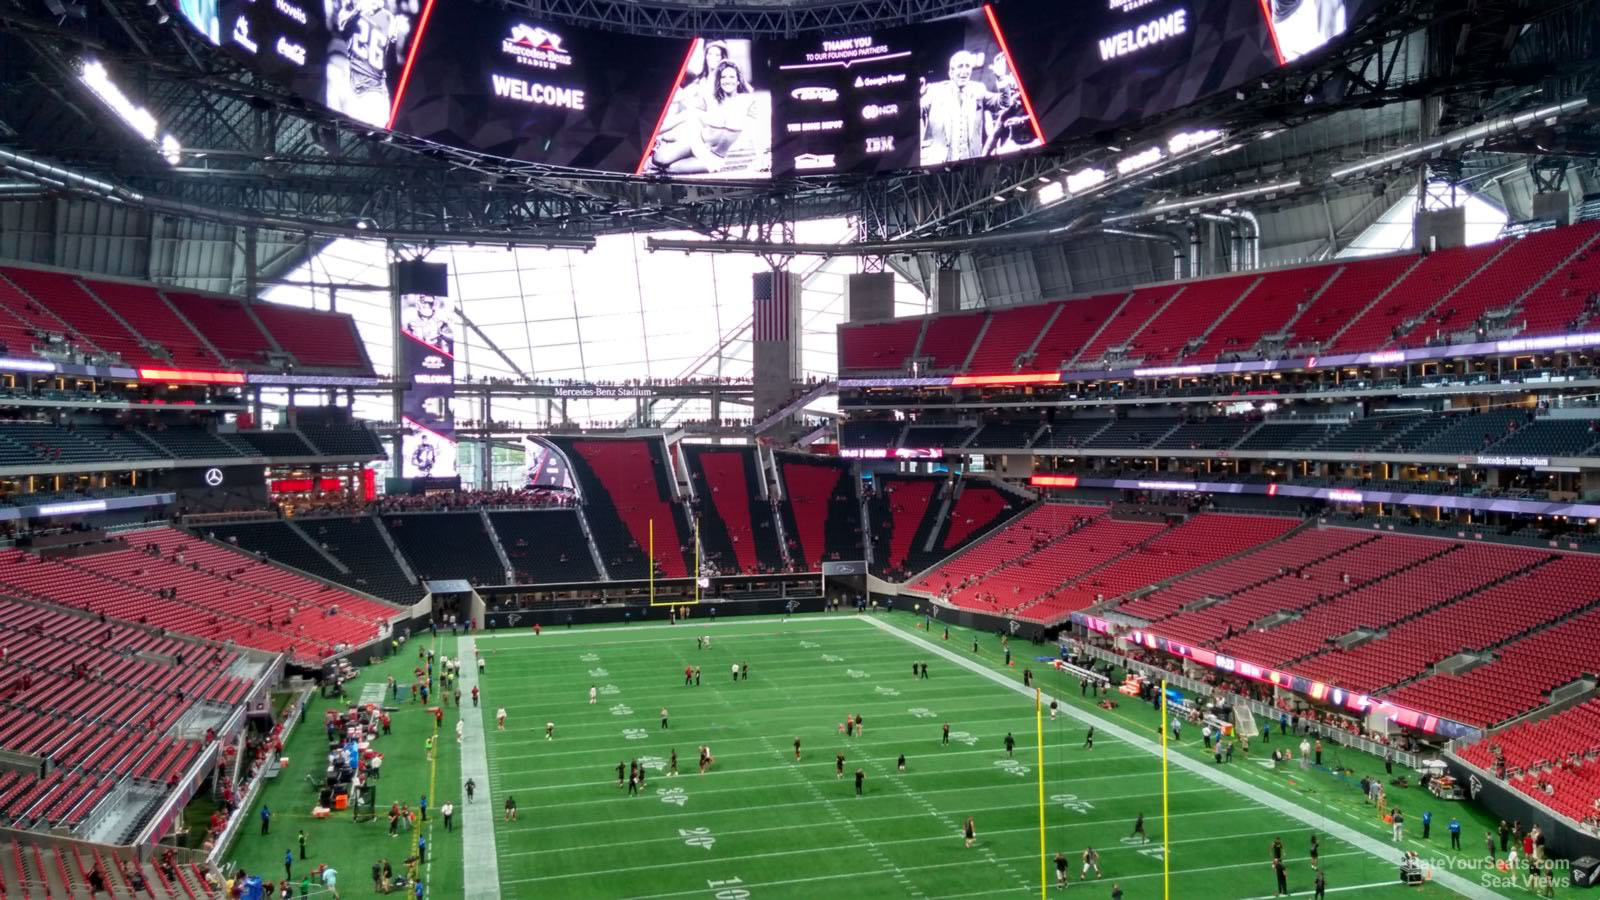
[771, 311]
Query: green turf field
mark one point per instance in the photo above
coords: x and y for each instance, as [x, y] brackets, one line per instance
[760, 824]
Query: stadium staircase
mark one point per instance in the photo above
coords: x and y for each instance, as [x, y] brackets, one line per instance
[498, 546]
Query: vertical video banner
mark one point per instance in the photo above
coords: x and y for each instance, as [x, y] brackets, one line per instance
[427, 361]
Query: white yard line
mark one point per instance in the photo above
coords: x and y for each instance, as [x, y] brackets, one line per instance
[479, 863]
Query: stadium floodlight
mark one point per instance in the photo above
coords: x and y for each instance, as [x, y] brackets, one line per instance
[1085, 179]
[1050, 192]
[1144, 159]
[1184, 141]
[98, 81]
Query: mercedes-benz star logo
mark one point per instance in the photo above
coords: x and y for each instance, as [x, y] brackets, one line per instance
[214, 477]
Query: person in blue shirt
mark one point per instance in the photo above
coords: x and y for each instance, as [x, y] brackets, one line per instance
[266, 819]
[1427, 823]
[422, 850]
[288, 865]
[417, 889]
[1455, 833]
[424, 807]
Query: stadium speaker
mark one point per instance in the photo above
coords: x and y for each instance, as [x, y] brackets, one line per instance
[1586, 871]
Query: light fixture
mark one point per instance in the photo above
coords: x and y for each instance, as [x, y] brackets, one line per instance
[95, 77]
[1050, 192]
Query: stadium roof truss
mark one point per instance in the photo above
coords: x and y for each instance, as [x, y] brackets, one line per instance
[256, 157]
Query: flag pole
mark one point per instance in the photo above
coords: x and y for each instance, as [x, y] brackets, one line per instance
[697, 559]
[1166, 864]
[652, 561]
[1044, 853]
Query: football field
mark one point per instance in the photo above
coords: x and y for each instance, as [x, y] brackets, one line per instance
[759, 823]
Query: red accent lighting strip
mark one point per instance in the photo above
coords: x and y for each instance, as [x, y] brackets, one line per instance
[994, 25]
[411, 57]
[191, 375]
[1034, 378]
[1266, 16]
[1061, 481]
[672, 95]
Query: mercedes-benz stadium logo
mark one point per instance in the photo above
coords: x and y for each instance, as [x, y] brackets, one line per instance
[214, 477]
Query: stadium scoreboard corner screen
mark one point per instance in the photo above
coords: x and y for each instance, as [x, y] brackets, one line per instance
[999, 79]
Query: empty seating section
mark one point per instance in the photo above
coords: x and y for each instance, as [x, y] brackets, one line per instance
[948, 340]
[226, 324]
[62, 294]
[940, 436]
[1065, 337]
[77, 694]
[1004, 434]
[49, 443]
[1552, 437]
[1198, 542]
[344, 441]
[1477, 622]
[1561, 752]
[1340, 570]
[356, 542]
[820, 509]
[1265, 310]
[1016, 569]
[545, 546]
[275, 443]
[1218, 433]
[738, 533]
[1565, 300]
[883, 346]
[903, 513]
[1066, 433]
[221, 594]
[1452, 570]
[868, 433]
[1371, 433]
[1471, 433]
[18, 328]
[143, 307]
[1341, 301]
[1169, 334]
[1418, 291]
[148, 328]
[1524, 263]
[1520, 678]
[281, 544]
[317, 339]
[1134, 432]
[1287, 436]
[1359, 305]
[626, 487]
[446, 545]
[1237, 575]
[1011, 332]
[978, 508]
[190, 442]
[1141, 306]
